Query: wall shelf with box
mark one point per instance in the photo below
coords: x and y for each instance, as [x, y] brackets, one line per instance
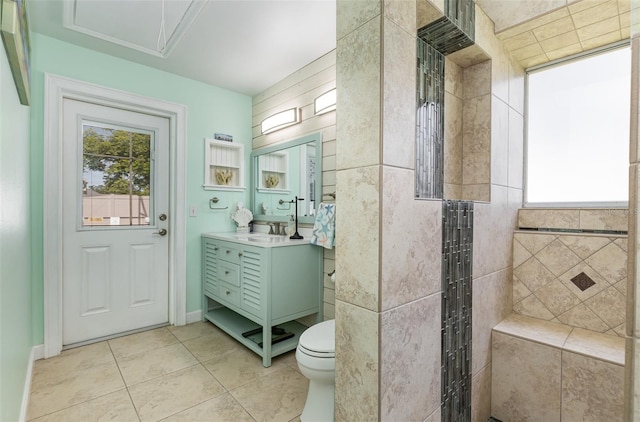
[274, 172]
[224, 165]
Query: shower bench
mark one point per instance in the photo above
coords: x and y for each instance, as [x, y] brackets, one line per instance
[551, 372]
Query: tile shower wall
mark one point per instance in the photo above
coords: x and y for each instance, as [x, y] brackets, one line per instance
[388, 293]
[299, 90]
[578, 279]
[491, 86]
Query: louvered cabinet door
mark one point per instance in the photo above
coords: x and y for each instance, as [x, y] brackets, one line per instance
[254, 269]
[210, 250]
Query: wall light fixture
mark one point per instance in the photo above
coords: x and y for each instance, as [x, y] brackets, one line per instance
[326, 102]
[281, 120]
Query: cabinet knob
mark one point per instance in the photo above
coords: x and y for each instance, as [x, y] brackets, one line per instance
[228, 251]
[227, 292]
[226, 272]
[215, 249]
[240, 254]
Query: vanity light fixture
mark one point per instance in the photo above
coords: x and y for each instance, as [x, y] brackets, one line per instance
[281, 120]
[326, 102]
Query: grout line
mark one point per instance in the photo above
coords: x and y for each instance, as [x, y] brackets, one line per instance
[135, 409]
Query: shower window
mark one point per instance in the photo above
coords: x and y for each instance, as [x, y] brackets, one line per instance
[578, 131]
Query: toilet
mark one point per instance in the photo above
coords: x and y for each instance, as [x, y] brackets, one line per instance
[317, 361]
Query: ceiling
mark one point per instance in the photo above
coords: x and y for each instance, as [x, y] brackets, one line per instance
[247, 46]
[540, 31]
[241, 45]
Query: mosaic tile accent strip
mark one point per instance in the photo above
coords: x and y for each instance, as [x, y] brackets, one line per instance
[429, 122]
[576, 279]
[583, 281]
[455, 30]
[457, 274]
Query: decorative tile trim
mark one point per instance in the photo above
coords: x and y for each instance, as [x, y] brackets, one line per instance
[457, 275]
[430, 122]
[556, 230]
[455, 30]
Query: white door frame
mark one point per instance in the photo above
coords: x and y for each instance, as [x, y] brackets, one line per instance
[56, 89]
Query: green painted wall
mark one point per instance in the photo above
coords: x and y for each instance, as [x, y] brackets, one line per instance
[210, 110]
[15, 246]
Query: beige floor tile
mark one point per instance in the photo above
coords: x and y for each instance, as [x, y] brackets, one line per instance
[208, 347]
[237, 367]
[193, 330]
[49, 395]
[224, 408]
[141, 342]
[167, 395]
[154, 363]
[278, 397]
[288, 359]
[73, 360]
[112, 407]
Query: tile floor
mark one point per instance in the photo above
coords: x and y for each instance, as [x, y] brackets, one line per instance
[190, 373]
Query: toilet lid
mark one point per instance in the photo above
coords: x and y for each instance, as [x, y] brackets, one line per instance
[320, 338]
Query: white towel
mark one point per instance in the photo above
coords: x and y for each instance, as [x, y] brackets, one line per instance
[324, 228]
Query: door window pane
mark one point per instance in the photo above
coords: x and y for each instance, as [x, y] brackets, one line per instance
[116, 185]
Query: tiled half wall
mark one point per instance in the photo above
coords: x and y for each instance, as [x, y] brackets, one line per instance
[578, 279]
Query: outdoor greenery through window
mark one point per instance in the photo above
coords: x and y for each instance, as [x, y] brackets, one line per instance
[116, 176]
[578, 132]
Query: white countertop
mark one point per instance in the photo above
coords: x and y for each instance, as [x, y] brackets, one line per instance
[258, 239]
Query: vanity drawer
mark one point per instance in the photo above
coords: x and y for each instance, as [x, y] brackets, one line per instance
[210, 290]
[229, 273]
[229, 294]
[229, 253]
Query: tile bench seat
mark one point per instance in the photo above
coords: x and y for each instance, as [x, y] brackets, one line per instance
[546, 371]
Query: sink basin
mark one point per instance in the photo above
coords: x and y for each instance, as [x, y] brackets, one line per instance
[261, 237]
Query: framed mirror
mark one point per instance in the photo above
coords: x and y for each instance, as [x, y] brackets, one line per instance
[281, 172]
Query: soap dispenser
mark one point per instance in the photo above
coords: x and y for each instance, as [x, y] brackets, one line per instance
[291, 225]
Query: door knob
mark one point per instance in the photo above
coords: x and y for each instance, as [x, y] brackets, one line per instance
[162, 232]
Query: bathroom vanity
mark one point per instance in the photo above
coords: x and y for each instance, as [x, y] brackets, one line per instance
[256, 285]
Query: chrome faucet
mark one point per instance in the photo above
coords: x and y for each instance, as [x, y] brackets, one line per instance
[274, 228]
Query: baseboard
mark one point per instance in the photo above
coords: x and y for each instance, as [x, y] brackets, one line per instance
[37, 352]
[194, 316]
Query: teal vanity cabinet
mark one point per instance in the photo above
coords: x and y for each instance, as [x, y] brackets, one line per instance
[255, 286]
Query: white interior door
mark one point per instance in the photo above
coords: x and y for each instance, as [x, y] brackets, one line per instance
[115, 177]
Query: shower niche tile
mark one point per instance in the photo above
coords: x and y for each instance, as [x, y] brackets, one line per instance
[453, 144]
[467, 130]
[453, 104]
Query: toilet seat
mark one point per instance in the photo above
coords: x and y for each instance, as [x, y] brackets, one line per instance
[319, 340]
